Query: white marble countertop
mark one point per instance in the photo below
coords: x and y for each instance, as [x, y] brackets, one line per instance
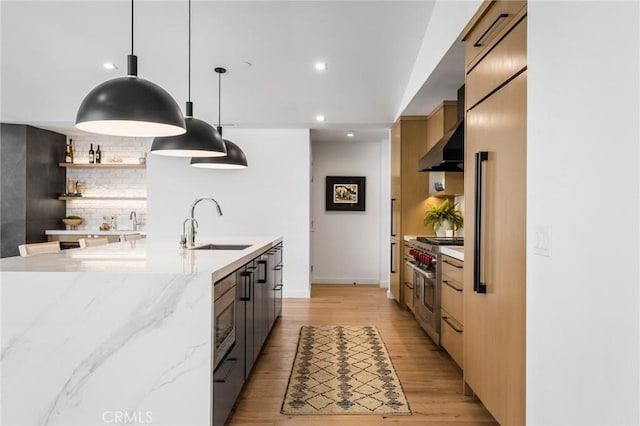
[145, 255]
[457, 252]
[91, 232]
[122, 330]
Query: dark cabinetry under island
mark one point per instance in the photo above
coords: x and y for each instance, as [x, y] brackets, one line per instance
[257, 304]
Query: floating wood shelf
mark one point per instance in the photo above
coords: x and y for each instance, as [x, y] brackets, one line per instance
[63, 198]
[103, 166]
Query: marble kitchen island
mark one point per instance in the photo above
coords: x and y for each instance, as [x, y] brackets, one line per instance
[114, 334]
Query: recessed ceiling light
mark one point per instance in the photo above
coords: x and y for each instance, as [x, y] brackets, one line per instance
[320, 117]
[321, 66]
[109, 66]
[351, 134]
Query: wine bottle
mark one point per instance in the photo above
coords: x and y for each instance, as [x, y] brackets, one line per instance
[71, 149]
[92, 155]
[98, 155]
[68, 156]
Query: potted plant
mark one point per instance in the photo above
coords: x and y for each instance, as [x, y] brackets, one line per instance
[444, 217]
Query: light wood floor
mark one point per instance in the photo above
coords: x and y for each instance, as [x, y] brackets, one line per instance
[431, 381]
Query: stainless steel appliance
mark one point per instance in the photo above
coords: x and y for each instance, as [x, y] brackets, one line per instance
[427, 281]
[224, 320]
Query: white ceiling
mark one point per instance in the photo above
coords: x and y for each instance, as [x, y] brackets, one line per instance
[52, 55]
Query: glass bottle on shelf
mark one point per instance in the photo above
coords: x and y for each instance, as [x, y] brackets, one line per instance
[98, 155]
[92, 155]
[68, 152]
[105, 223]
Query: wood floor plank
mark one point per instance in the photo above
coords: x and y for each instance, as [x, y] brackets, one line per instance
[430, 379]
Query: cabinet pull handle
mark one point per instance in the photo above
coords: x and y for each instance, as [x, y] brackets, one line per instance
[452, 264]
[278, 287]
[451, 285]
[488, 30]
[478, 285]
[393, 202]
[262, 263]
[247, 284]
[391, 258]
[229, 370]
[456, 329]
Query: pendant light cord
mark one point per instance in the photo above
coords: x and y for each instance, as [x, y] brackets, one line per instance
[131, 27]
[220, 71]
[189, 90]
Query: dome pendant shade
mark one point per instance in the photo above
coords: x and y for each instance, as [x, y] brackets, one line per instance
[235, 159]
[200, 140]
[130, 106]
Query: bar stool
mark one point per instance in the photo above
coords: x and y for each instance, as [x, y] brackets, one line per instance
[39, 248]
[92, 242]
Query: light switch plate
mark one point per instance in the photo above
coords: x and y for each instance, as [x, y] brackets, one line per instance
[542, 240]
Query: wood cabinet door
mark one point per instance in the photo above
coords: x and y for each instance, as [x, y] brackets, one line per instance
[396, 209]
[396, 187]
[494, 322]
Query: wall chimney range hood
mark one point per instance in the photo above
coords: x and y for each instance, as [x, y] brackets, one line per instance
[448, 154]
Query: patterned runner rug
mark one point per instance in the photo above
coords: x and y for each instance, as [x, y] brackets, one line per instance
[343, 370]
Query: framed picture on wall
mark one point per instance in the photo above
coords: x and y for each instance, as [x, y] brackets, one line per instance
[345, 193]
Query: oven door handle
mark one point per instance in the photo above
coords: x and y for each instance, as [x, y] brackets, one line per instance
[428, 275]
[478, 285]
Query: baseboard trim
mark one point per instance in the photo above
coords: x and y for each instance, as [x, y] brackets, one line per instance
[320, 280]
[296, 294]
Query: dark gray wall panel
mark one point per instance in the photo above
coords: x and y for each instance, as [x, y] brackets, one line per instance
[29, 185]
[45, 180]
[13, 160]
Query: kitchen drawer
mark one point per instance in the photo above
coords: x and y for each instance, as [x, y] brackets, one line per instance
[228, 380]
[503, 61]
[408, 297]
[452, 269]
[478, 35]
[451, 337]
[452, 299]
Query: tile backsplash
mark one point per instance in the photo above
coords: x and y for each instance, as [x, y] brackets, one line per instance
[109, 182]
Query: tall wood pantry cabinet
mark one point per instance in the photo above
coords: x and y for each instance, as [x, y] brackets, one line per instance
[495, 198]
[408, 145]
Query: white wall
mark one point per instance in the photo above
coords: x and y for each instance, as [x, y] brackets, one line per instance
[583, 183]
[448, 19]
[346, 246]
[270, 198]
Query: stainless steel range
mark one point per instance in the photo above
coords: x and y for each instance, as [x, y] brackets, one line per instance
[427, 281]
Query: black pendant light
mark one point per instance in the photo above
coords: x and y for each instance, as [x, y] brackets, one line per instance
[201, 139]
[235, 158]
[130, 106]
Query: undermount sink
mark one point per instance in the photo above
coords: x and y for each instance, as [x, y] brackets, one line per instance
[221, 247]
